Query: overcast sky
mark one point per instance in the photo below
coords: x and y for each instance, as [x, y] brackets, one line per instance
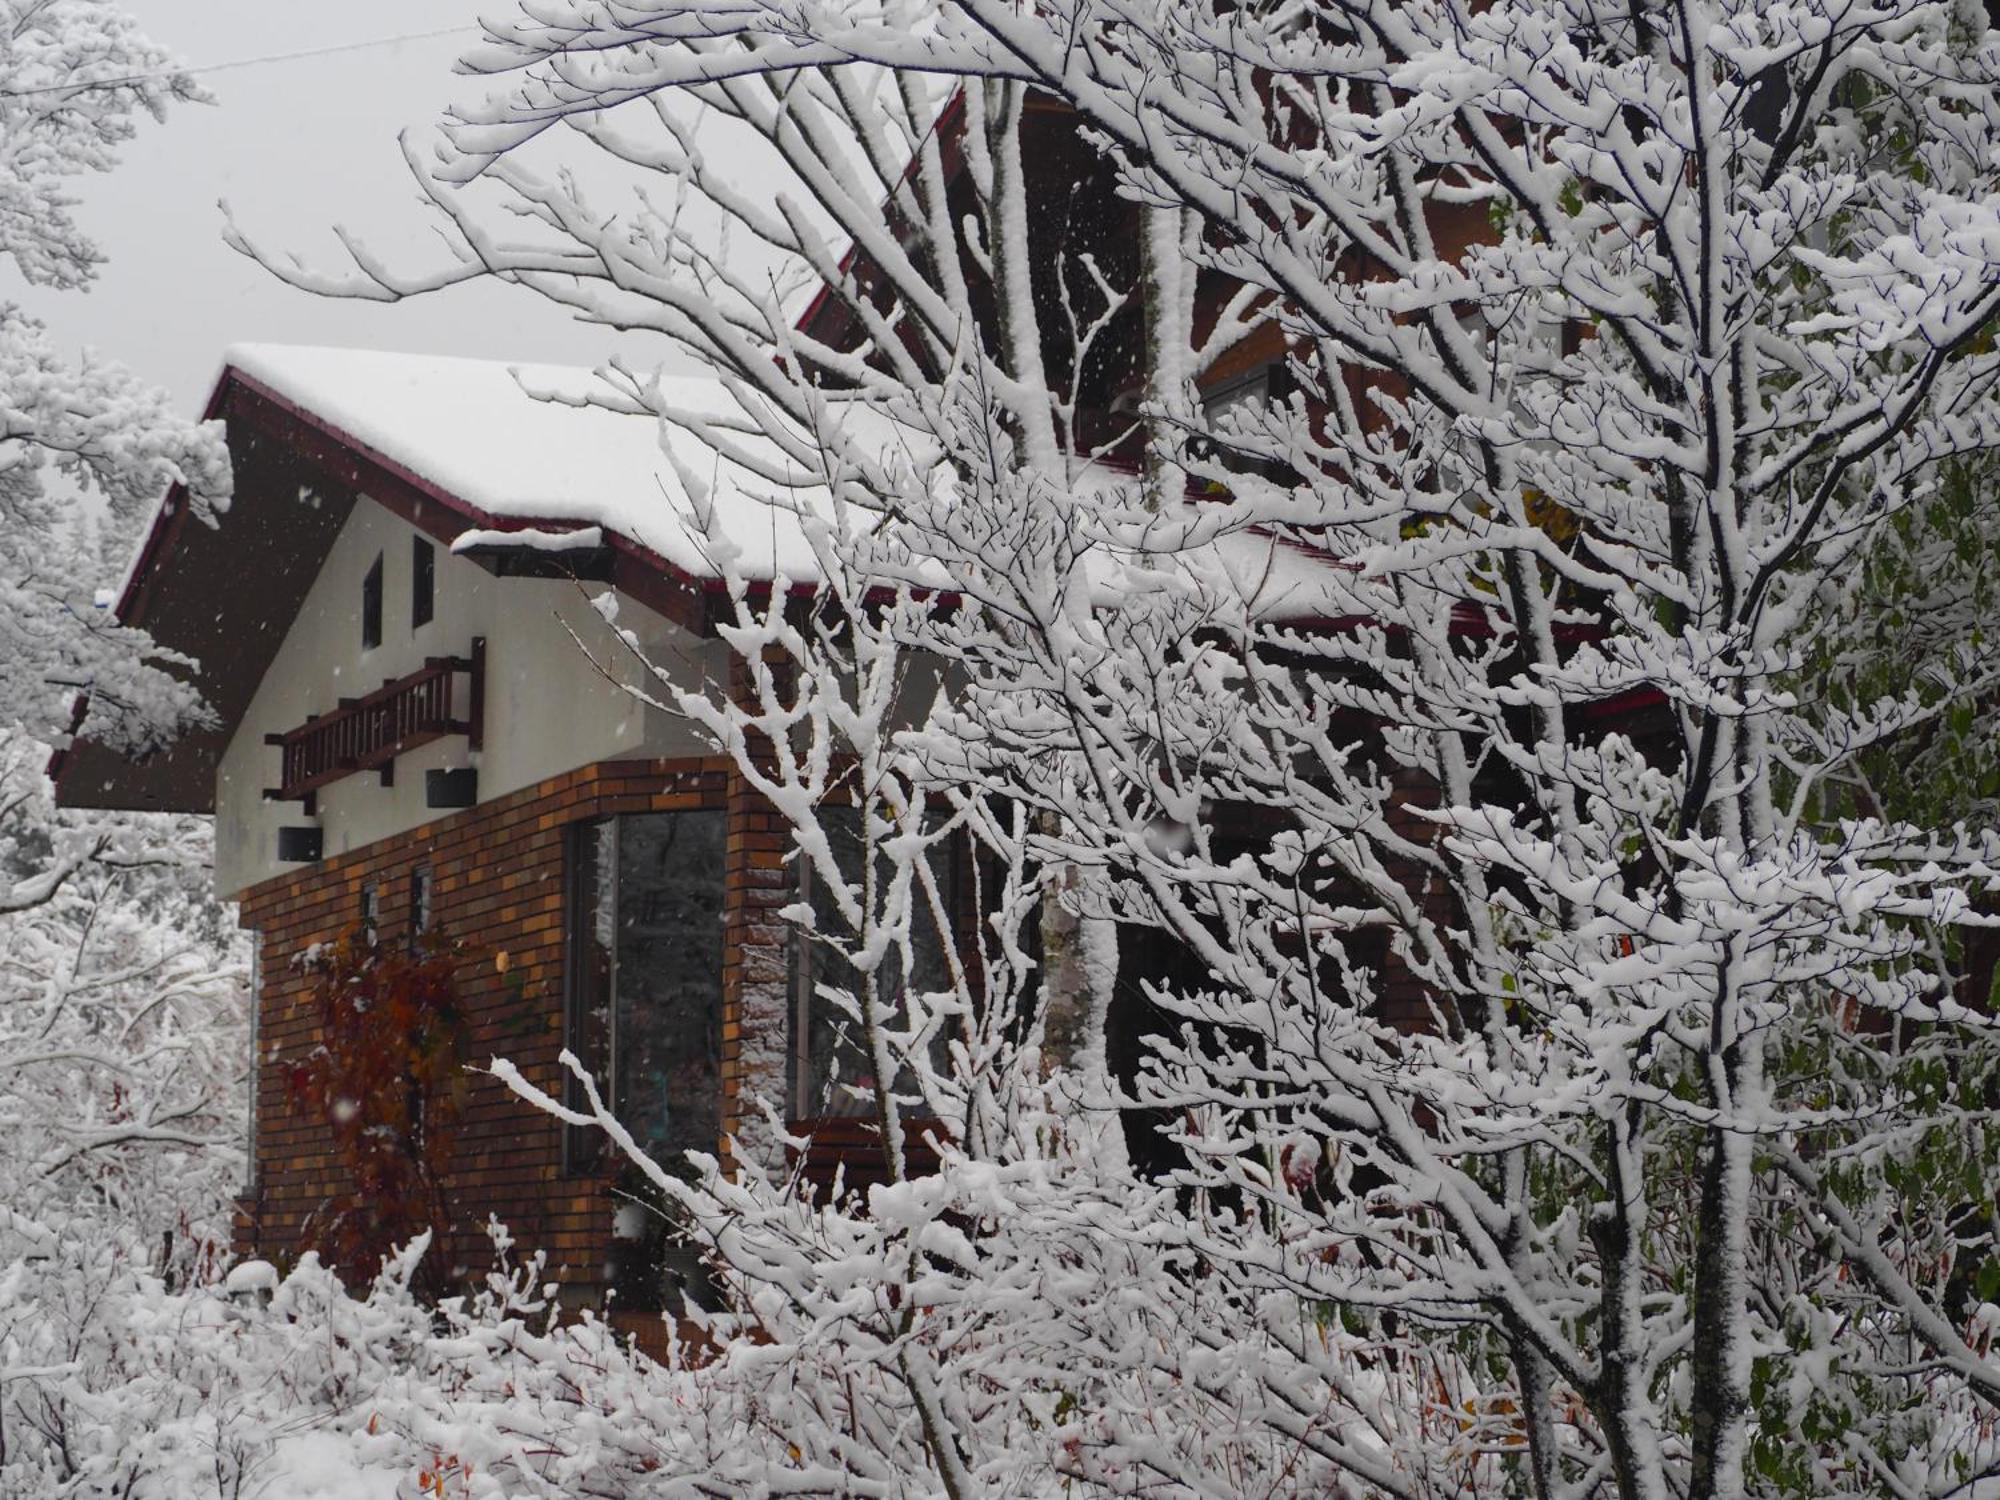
[295, 145]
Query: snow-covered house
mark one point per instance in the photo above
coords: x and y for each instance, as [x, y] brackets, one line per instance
[421, 723]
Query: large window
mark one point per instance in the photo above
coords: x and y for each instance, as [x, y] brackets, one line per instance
[645, 978]
[833, 1074]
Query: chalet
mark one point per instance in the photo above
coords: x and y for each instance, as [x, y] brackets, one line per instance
[422, 724]
[414, 737]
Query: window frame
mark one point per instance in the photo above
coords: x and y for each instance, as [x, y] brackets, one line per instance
[423, 903]
[802, 969]
[251, 1176]
[583, 1146]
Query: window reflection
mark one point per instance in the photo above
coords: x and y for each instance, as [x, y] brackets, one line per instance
[645, 978]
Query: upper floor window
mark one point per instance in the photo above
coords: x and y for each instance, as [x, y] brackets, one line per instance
[371, 607]
[1252, 388]
[644, 979]
[423, 582]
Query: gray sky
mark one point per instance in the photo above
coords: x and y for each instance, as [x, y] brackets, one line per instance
[294, 145]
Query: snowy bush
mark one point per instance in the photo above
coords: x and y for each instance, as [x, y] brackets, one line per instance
[253, 1385]
[123, 1050]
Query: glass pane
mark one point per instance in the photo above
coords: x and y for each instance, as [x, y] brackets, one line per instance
[836, 1076]
[420, 903]
[668, 1052]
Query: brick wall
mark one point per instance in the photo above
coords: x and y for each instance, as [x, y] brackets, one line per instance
[497, 884]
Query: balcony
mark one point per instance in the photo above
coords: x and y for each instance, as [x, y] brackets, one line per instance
[367, 734]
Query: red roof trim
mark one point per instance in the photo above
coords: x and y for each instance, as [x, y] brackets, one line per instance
[685, 595]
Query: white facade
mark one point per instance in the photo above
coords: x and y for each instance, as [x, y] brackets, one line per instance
[548, 709]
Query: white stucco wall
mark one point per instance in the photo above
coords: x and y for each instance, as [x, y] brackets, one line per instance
[548, 710]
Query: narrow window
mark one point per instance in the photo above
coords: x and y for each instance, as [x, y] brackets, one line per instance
[371, 911]
[371, 607]
[423, 582]
[645, 979]
[420, 905]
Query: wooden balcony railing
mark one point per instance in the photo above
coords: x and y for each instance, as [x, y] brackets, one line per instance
[367, 734]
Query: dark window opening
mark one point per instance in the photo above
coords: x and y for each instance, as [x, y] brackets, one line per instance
[644, 1012]
[371, 911]
[1255, 387]
[1149, 958]
[423, 582]
[371, 607]
[833, 1071]
[250, 1177]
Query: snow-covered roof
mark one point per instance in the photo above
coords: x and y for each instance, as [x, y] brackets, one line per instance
[530, 467]
[486, 434]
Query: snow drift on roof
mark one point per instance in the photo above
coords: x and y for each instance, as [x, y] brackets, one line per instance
[471, 429]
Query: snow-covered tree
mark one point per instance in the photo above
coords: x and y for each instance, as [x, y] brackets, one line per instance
[123, 1033]
[74, 77]
[93, 915]
[1571, 1092]
[122, 1022]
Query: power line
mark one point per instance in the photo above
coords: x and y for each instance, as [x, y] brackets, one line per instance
[241, 62]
